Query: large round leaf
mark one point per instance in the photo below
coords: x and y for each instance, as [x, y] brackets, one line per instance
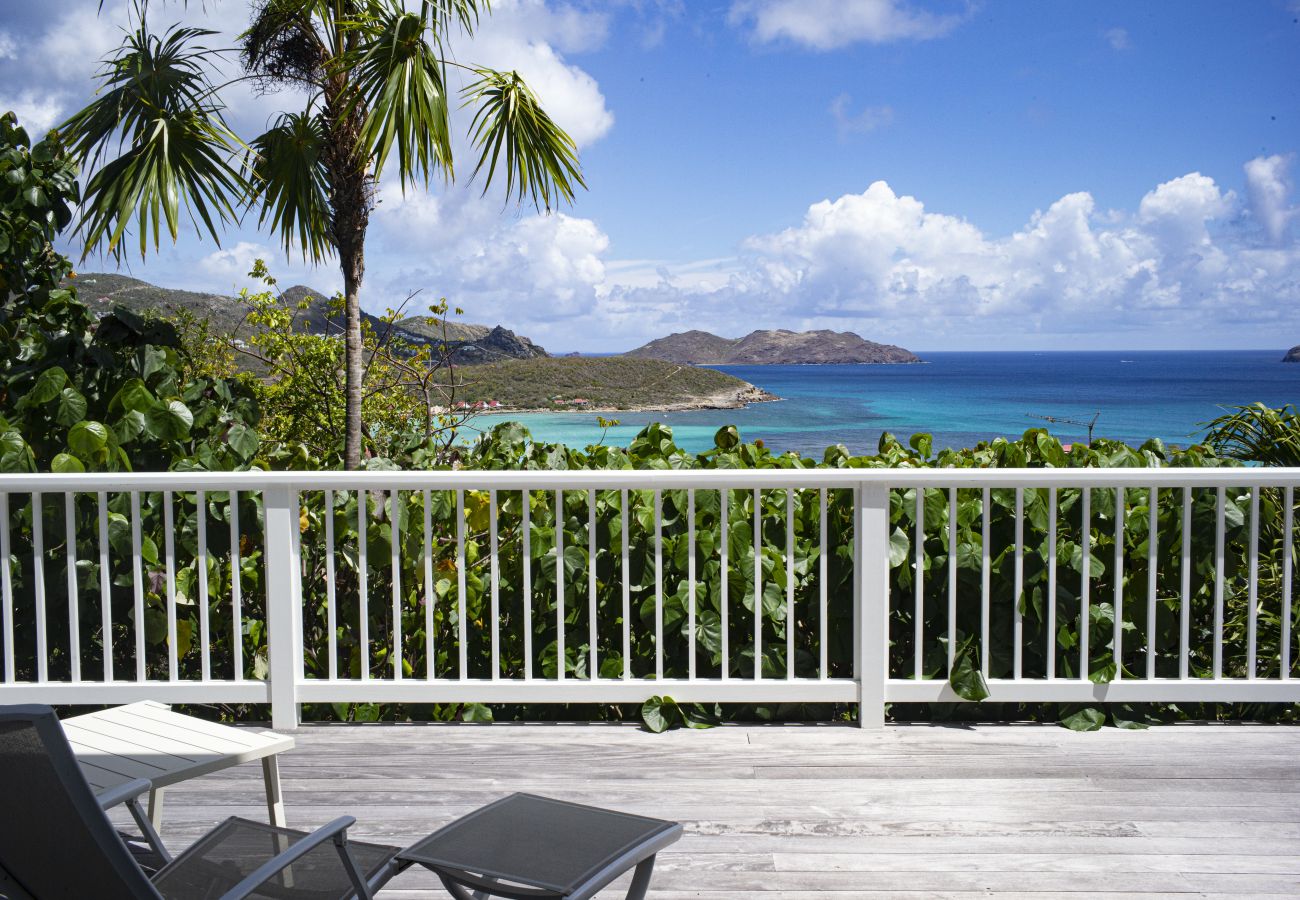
[132, 397]
[169, 421]
[66, 463]
[47, 387]
[15, 455]
[72, 407]
[87, 439]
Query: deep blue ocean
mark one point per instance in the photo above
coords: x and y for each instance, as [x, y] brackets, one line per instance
[964, 398]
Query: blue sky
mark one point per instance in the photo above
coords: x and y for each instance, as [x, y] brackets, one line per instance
[945, 175]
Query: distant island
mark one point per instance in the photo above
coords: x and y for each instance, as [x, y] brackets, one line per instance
[503, 370]
[1292, 355]
[778, 347]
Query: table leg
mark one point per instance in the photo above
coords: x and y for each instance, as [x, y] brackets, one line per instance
[156, 809]
[274, 798]
[641, 879]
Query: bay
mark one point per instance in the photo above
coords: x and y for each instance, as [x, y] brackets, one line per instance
[962, 398]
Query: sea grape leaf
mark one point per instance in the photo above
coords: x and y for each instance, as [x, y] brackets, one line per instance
[967, 680]
[87, 438]
[72, 407]
[169, 421]
[66, 463]
[475, 712]
[1087, 719]
[658, 714]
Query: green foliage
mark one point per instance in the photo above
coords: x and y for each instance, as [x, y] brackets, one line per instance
[1258, 434]
[86, 395]
[408, 392]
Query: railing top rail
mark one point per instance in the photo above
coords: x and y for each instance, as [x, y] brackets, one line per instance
[605, 479]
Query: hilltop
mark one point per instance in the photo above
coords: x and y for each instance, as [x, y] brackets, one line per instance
[605, 383]
[470, 344]
[777, 347]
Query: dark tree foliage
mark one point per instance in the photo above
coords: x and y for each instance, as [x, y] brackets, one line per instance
[77, 394]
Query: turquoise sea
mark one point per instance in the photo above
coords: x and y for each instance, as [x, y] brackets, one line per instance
[963, 398]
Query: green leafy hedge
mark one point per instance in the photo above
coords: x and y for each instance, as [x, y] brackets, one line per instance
[509, 446]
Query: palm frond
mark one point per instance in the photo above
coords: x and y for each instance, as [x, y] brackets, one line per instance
[398, 79]
[514, 131]
[1258, 433]
[440, 14]
[290, 186]
[158, 140]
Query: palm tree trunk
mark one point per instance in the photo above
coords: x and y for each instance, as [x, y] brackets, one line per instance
[350, 213]
[354, 267]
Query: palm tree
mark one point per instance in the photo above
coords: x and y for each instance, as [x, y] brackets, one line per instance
[375, 77]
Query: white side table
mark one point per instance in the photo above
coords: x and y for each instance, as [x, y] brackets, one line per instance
[148, 740]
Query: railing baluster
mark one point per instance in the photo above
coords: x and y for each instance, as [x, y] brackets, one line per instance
[626, 577]
[462, 629]
[169, 541]
[1117, 640]
[7, 591]
[38, 586]
[137, 583]
[1252, 587]
[592, 662]
[105, 586]
[659, 585]
[74, 601]
[1018, 590]
[690, 584]
[985, 582]
[1153, 538]
[561, 660]
[1219, 528]
[1185, 594]
[1050, 649]
[1085, 587]
[236, 591]
[395, 562]
[952, 579]
[758, 584]
[205, 636]
[823, 588]
[918, 613]
[430, 597]
[363, 582]
[724, 600]
[1287, 550]
[331, 595]
[494, 551]
[526, 537]
[789, 583]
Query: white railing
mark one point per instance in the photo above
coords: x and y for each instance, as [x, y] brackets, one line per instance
[94, 612]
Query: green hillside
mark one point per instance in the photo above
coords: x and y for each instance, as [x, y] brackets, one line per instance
[610, 382]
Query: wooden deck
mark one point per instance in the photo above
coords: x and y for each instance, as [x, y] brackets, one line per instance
[789, 812]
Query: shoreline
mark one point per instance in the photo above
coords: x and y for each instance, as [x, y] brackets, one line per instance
[729, 399]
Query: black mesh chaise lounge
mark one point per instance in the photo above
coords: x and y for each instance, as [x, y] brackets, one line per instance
[57, 843]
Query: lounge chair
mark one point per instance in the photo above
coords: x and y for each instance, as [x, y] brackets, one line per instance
[57, 842]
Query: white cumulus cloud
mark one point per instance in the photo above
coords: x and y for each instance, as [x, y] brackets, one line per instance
[37, 111]
[830, 24]
[1268, 184]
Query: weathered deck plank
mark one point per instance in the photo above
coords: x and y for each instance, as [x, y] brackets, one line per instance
[786, 812]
